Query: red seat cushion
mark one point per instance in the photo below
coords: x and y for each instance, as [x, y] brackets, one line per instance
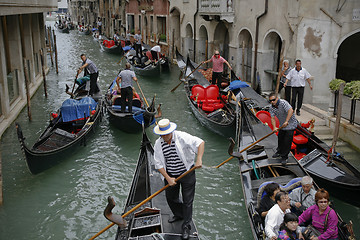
[198, 92]
[212, 92]
[300, 139]
[265, 117]
[208, 108]
[293, 146]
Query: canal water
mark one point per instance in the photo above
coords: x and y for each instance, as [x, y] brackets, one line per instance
[67, 201]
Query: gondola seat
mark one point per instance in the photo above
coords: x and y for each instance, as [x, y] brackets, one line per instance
[265, 117]
[208, 98]
[299, 139]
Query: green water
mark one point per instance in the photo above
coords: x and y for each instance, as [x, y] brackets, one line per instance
[67, 201]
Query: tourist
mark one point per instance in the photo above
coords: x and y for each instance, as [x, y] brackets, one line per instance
[285, 71]
[125, 77]
[268, 201]
[174, 154]
[90, 69]
[297, 76]
[218, 68]
[322, 217]
[99, 25]
[289, 228]
[275, 216]
[283, 111]
[303, 197]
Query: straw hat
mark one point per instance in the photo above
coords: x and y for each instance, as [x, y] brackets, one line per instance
[164, 127]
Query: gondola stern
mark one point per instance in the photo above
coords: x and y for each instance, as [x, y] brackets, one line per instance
[117, 219]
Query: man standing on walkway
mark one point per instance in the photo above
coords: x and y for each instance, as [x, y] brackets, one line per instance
[297, 76]
[137, 44]
[125, 77]
[90, 69]
[174, 154]
[283, 111]
[218, 68]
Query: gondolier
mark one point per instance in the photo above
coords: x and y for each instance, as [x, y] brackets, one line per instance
[90, 69]
[137, 45]
[174, 154]
[125, 77]
[282, 109]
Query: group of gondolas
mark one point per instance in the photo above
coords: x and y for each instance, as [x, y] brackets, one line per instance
[235, 110]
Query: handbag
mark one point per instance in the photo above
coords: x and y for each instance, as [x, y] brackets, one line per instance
[310, 231]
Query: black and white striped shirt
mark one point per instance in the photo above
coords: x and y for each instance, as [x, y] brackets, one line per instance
[174, 166]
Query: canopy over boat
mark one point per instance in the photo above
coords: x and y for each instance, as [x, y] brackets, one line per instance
[72, 109]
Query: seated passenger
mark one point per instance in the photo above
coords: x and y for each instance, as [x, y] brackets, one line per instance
[318, 214]
[268, 201]
[288, 229]
[275, 216]
[304, 197]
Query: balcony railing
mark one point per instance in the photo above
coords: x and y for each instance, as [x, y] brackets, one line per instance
[222, 8]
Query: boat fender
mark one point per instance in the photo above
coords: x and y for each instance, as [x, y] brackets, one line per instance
[117, 219]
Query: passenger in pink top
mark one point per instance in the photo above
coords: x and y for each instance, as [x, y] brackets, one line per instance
[218, 68]
[318, 213]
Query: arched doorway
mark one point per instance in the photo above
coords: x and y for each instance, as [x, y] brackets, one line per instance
[188, 41]
[221, 40]
[348, 62]
[245, 55]
[269, 62]
[202, 44]
[175, 28]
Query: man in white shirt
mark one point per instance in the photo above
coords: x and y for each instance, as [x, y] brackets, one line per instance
[303, 197]
[275, 216]
[174, 154]
[297, 76]
[137, 44]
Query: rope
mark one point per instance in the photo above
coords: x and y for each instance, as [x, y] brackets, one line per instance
[255, 171]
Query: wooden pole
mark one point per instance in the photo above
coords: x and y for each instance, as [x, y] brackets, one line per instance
[43, 70]
[1, 189]
[56, 55]
[206, 50]
[50, 46]
[338, 117]
[243, 61]
[173, 45]
[26, 71]
[280, 67]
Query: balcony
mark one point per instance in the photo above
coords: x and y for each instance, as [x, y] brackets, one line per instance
[217, 10]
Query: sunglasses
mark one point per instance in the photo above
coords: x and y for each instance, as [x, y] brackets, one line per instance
[271, 100]
[323, 201]
[217, 54]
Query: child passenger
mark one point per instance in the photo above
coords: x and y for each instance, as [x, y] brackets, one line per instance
[288, 227]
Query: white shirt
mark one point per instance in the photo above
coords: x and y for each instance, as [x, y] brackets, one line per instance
[298, 78]
[186, 147]
[156, 48]
[273, 220]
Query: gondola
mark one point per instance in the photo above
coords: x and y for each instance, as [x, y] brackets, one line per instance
[68, 130]
[211, 109]
[62, 28]
[85, 31]
[109, 46]
[257, 169]
[150, 221]
[128, 122]
[329, 170]
[143, 66]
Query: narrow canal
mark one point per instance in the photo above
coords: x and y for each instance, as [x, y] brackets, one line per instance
[67, 201]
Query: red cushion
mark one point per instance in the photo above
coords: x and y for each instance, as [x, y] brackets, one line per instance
[212, 100]
[218, 106]
[293, 146]
[207, 108]
[265, 117]
[198, 92]
[224, 97]
[300, 139]
[212, 92]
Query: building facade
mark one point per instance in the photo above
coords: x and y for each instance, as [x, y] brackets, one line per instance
[22, 37]
[250, 34]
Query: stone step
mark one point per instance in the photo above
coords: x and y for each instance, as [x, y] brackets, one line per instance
[338, 143]
[322, 130]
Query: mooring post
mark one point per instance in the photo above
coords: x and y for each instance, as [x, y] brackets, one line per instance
[1, 184]
[50, 46]
[56, 55]
[26, 73]
[280, 67]
[43, 70]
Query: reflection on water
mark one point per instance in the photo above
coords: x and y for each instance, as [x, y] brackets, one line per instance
[67, 201]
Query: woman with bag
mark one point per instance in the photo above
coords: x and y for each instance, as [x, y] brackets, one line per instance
[323, 217]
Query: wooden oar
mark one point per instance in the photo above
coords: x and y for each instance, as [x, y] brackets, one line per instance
[121, 59]
[251, 145]
[172, 90]
[147, 104]
[143, 202]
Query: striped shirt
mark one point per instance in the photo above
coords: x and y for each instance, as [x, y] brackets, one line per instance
[174, 166]
[91, 66]
[281, 112]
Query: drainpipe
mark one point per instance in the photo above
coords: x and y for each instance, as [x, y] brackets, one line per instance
[253, 84]
[197, 10]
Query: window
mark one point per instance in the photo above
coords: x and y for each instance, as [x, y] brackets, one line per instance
[161, 28]
[13, 85]
[152, 26]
